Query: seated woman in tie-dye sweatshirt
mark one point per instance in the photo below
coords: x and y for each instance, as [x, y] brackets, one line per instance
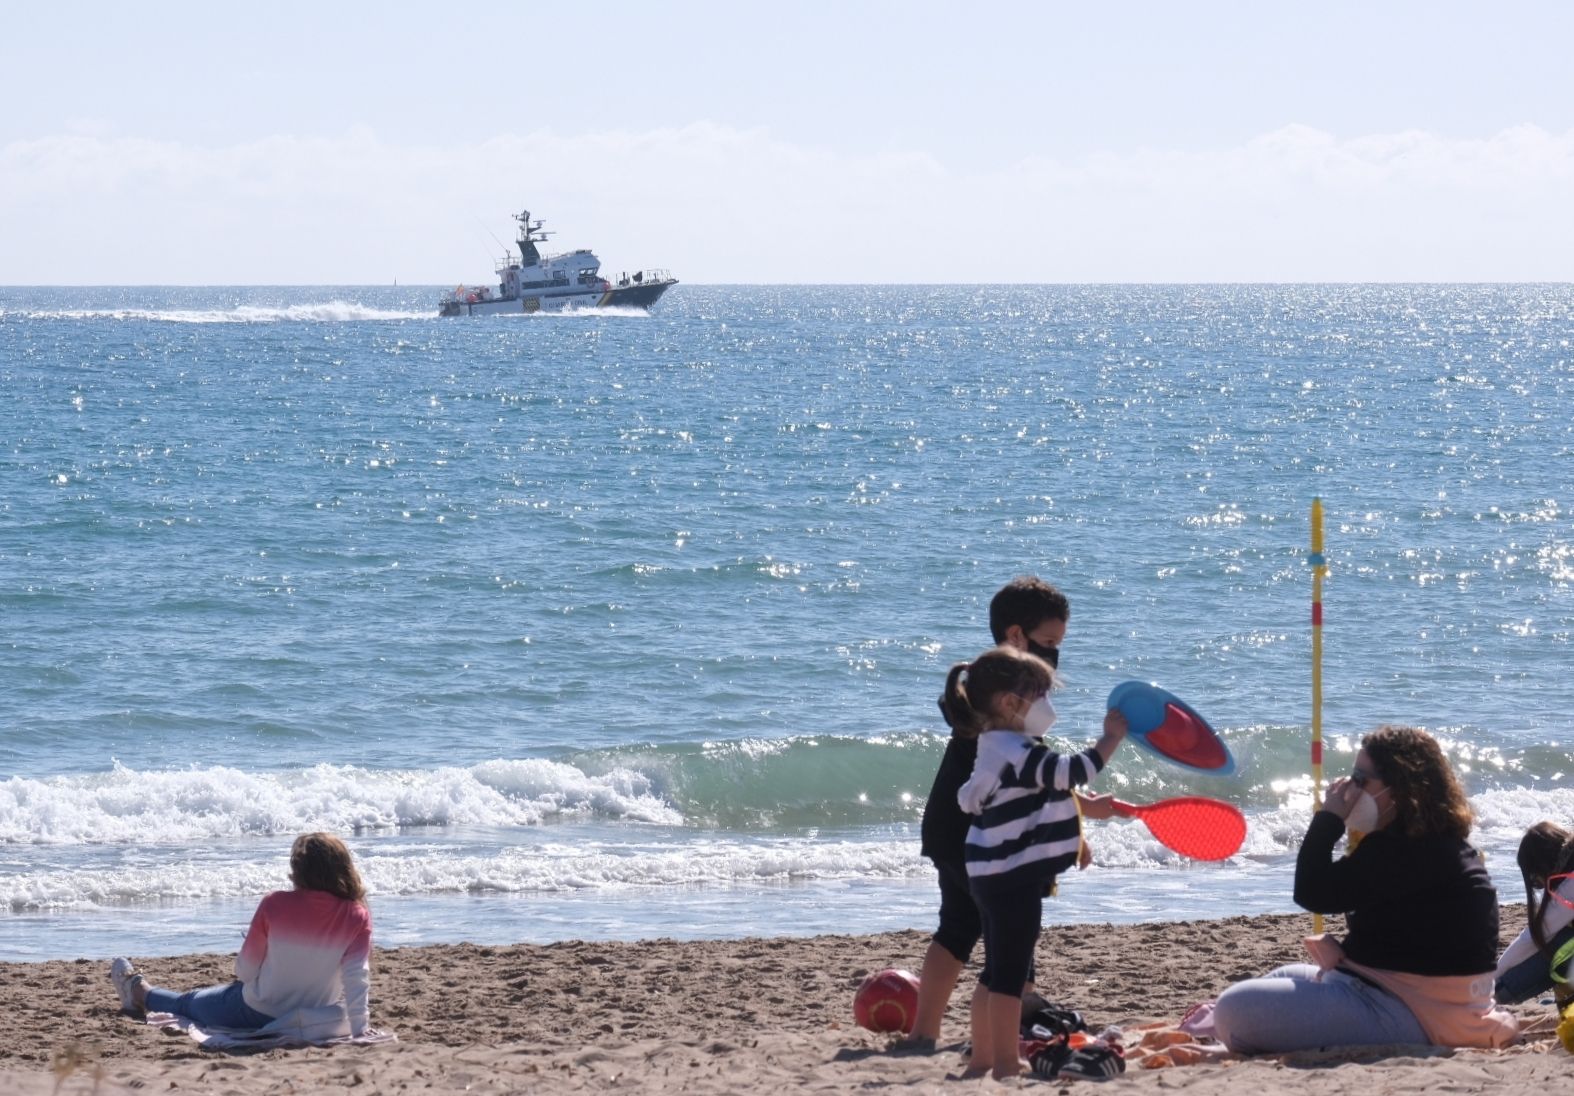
[306, 948]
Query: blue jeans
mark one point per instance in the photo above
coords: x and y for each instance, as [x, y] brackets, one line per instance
[1292, 1009]
[1533, 977]
[214, 1007]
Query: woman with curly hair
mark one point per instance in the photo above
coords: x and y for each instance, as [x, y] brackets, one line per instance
[1546, 859]
[1417, 961]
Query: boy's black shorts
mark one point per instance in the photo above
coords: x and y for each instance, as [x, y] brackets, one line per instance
[960, 927]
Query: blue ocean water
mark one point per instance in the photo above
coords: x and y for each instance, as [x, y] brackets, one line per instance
[624, 625]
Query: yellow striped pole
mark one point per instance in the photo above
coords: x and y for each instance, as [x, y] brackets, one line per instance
[1319, 569]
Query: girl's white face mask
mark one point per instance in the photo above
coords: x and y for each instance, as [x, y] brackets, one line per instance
[1039, 717]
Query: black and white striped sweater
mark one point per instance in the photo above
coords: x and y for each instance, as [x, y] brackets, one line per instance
[1026, 822]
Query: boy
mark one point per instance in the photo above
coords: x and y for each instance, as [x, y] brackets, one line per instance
[1030, 615]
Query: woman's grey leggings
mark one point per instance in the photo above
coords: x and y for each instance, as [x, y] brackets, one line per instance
[1295, 1008]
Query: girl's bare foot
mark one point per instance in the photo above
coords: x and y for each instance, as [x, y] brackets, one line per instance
[1015, 1069]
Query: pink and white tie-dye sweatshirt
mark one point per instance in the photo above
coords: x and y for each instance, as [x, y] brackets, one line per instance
[308, 948]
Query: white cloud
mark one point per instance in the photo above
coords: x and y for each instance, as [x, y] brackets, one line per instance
[728, 205]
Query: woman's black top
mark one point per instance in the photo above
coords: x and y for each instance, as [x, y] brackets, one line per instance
[1424, 905]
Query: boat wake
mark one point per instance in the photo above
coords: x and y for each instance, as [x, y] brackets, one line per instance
[325, 312]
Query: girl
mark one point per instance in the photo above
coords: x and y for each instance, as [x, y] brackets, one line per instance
[306, 948]
[1025, 831]
[1525, 969]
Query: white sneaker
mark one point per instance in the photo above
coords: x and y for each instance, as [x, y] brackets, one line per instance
[125, 976]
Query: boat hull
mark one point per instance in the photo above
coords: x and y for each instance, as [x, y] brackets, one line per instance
[635, 296]
[496, 306]
[621, 296]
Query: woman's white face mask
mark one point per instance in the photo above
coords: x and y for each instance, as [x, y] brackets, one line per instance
[1039, 717]
[1365, 816]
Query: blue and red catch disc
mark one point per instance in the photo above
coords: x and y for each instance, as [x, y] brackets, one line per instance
[1171, 728]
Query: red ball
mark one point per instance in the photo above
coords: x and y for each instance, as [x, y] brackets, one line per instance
[887, 1001]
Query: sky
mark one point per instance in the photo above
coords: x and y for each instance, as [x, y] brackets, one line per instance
[806, 142]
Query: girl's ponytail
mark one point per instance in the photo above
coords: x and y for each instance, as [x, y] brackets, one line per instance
[956, 707]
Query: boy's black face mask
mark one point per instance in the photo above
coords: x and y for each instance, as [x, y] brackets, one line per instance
[1050, 655]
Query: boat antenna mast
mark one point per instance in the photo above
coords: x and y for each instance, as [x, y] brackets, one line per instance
[529, 235]
[506, 253]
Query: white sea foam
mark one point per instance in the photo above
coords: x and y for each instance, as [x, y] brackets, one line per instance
[465, 861]
[127, 805]
[335, 311]
[1501, 818]
[325, 312]
[433, 869]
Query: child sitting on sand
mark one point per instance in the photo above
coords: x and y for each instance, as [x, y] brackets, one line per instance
[306, 948]
[1525, 968]
[1025, 833]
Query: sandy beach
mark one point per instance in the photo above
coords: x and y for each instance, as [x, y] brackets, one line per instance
[708, 1017]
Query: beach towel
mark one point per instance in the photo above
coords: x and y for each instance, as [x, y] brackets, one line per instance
[303, 1027]
[1158, 1046]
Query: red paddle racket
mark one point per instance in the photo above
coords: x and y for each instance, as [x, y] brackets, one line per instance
[1194, 826]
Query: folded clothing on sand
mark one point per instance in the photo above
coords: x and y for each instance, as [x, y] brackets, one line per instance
[327, 1025]
[1156, 1046]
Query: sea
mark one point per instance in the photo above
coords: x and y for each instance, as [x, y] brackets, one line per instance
[615, 625]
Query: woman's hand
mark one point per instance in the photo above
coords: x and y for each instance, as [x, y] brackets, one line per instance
[1341, 797]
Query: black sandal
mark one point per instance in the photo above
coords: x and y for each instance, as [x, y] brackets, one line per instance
[1094, 1063]
[1049, 1061]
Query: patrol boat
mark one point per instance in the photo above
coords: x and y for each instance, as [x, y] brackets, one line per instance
[534, 282]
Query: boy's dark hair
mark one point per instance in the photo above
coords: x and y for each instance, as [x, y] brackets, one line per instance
[1027, 602]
